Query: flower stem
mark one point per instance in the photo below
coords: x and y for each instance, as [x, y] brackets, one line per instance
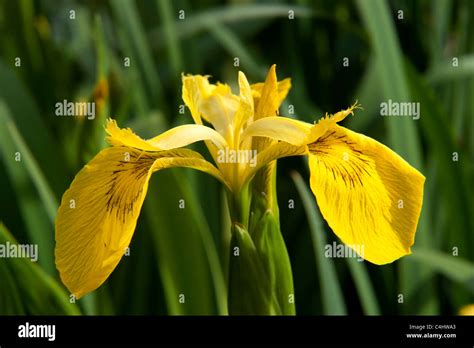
[239, 205]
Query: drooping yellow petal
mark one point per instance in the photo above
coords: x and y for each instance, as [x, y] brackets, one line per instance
[99, 211]
[125, 137]
[370, 197]
[187, 134]
[279, 128]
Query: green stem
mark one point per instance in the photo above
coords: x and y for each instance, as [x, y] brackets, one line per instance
[239, 206]
[260, 278]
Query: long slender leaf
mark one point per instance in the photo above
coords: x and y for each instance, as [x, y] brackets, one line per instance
[31, 165]
[187, 260]
[403, 136]
[25, 112]
[332, 299]
[35, 292]
[195, 23]
[174, 51]
[127, 14]
[445, 71]
[364, 287]
[33, 210]
[376, 16]
[235, 47]
[455, 268]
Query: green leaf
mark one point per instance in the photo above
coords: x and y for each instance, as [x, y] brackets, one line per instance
[380, 26]
[166, 13]
[332, 299]
[186, 253]
[27, 289]
[442, 11]
[272, 251]
[196, 23]
[444, 71]
[403, 136]
[364, 287]
[452, 267]
[24, 176]
[452, 179]
[137, 46]
[270, 248]
[368, 94]
[32, 167]
[250, 289]
[235, 47]
[25, 113]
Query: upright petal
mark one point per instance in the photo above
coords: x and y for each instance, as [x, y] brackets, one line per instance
[195, 88]
[284, 87]
[219, 109]
[214, 103]
[99, 211]
[271, 92]
[269, 100]
[245, 110]
[370, 197]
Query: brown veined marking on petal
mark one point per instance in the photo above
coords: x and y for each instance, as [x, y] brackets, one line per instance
[134, 172]
[322, 149]
[325, 148]
[117, 190]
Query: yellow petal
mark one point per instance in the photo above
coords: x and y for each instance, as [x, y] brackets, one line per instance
[273, 93]
[279, 128]
[341, 115]
[187, 134]
[370, 197]
[271, 153]
[219, 109]
[467, 310]
[99, 211]
[284, 87]
[125, 137]
[328, 122]
[245, 110]
[174, 138]
[269, 100]
[267, 103]
[215, 103]
[195, 88]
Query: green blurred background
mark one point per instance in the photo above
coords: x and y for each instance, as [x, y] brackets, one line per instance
[184, 251]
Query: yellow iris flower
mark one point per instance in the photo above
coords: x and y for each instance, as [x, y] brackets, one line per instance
[368, 194]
